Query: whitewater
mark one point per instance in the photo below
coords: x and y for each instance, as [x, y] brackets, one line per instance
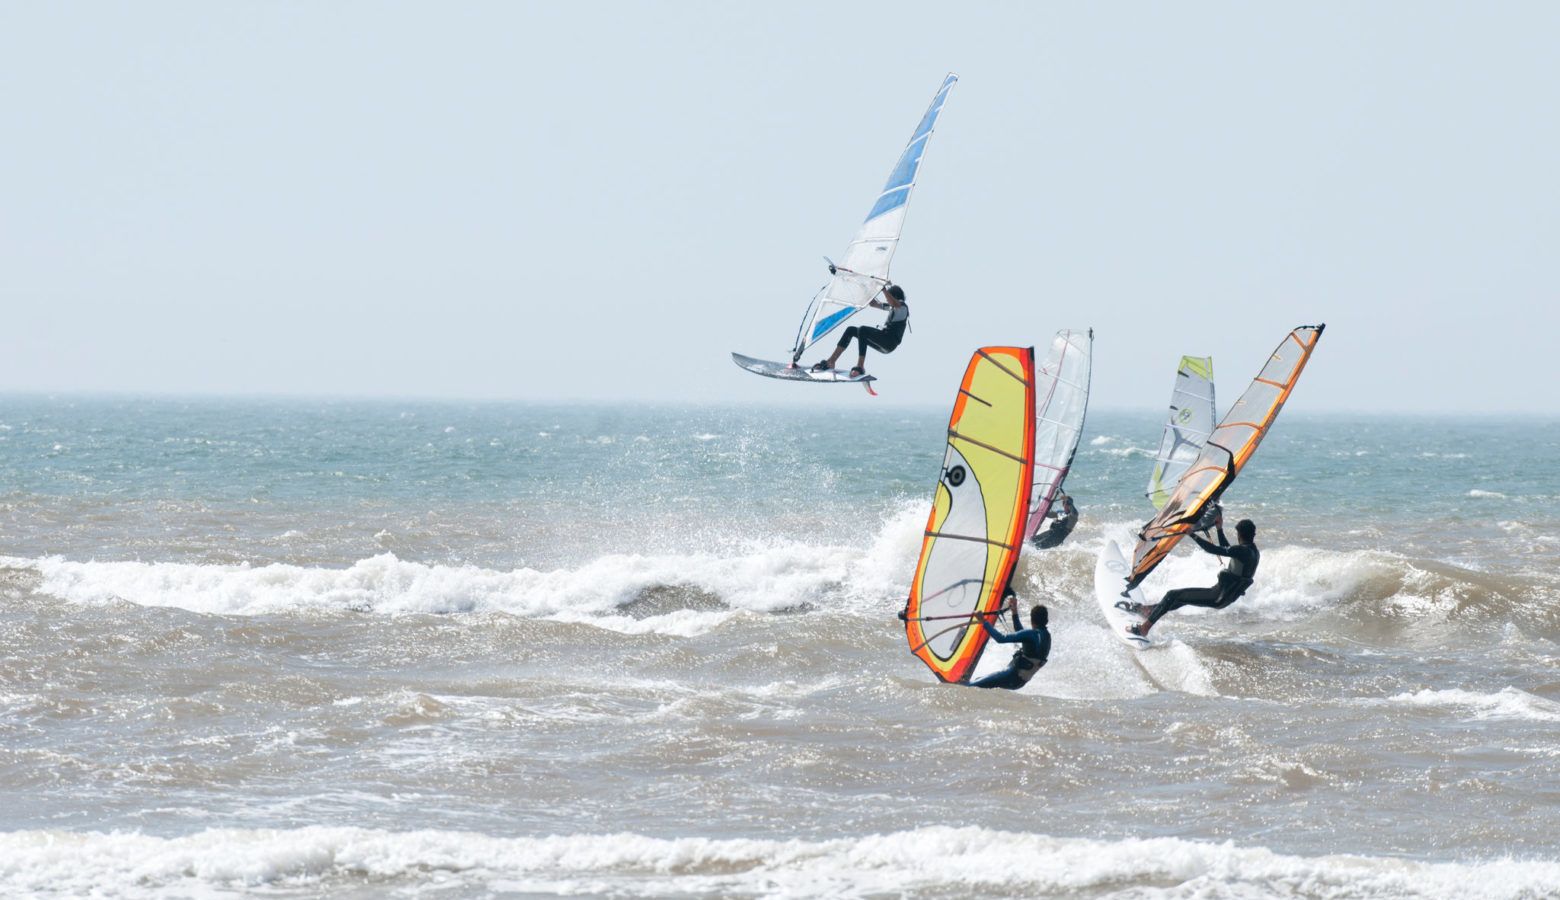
[412, 649]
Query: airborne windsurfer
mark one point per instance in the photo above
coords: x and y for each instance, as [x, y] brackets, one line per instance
[1034, 645]
[1233, 581]
[883, 340]
[1066, 516]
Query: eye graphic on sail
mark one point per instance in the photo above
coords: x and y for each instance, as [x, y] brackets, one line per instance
[1225, 452]
[1186, 429]
[979, 509]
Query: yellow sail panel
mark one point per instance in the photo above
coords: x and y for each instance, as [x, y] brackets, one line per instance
[1225, 452]
[976, 528]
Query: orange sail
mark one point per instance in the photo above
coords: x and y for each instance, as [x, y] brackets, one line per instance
[1225, 452]
[976, 528]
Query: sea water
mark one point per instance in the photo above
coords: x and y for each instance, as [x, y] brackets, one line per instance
[434, 650]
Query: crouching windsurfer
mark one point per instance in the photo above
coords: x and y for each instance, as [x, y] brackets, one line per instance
[1065, 515]
[883, 340]
[1234, 578]
[1034, 645]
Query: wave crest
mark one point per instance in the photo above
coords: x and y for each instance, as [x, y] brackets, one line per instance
[923, 862]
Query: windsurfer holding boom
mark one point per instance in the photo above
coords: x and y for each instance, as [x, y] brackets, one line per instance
[1065, 514]
[884, 339]
[1034, 645]
[1234, 578]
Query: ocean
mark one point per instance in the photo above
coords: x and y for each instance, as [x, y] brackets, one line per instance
[309, 648]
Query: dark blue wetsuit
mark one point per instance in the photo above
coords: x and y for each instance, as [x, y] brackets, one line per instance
[1034, 645]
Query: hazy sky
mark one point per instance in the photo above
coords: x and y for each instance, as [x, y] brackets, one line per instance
[602, 200]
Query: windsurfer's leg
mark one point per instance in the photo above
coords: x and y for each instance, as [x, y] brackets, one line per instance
[1176, 599]
[845, 339]
[876, 338]
[866, 336]
[1007, 679]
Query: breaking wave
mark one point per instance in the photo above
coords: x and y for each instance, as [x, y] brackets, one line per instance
[924, 862]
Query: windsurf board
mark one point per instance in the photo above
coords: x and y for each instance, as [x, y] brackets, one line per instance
[1110, 576]
[789, 372]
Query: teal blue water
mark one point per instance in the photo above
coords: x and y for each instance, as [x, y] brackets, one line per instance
[421, 649]
[126, 475]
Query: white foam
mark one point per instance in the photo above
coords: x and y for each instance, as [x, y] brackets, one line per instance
[1176, 666]
[932, 861]
[1086, 663]
[761, 577]
[1294, 582]
[1127, 452]
[1507, 703]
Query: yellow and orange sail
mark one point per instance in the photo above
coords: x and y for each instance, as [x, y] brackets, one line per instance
[976, 528]
[1225, 451]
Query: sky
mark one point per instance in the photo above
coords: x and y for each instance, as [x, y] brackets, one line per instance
[599, 202]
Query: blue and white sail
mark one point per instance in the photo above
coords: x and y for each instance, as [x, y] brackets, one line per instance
[862, 272]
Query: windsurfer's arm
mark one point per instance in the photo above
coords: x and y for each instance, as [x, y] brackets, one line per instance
[1219, 549]
[999, 637]
[888, 303]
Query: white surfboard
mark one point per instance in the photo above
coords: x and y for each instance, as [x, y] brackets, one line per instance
[1110, 576]
[788, 372]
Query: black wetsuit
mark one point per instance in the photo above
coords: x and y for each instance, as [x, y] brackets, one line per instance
[1034, 645]
[1233, 579]
[1057, 533]
[884, 339]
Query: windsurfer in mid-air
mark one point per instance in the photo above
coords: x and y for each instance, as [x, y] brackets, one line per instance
[1234, 578]
[1034, 645]
[884, 339]
[1066, 516]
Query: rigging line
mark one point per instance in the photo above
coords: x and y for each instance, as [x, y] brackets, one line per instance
[922, 645]
[964, 582]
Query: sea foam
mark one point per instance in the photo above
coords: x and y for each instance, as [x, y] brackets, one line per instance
[925, 862]
[1507, 703]
[784, 575]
